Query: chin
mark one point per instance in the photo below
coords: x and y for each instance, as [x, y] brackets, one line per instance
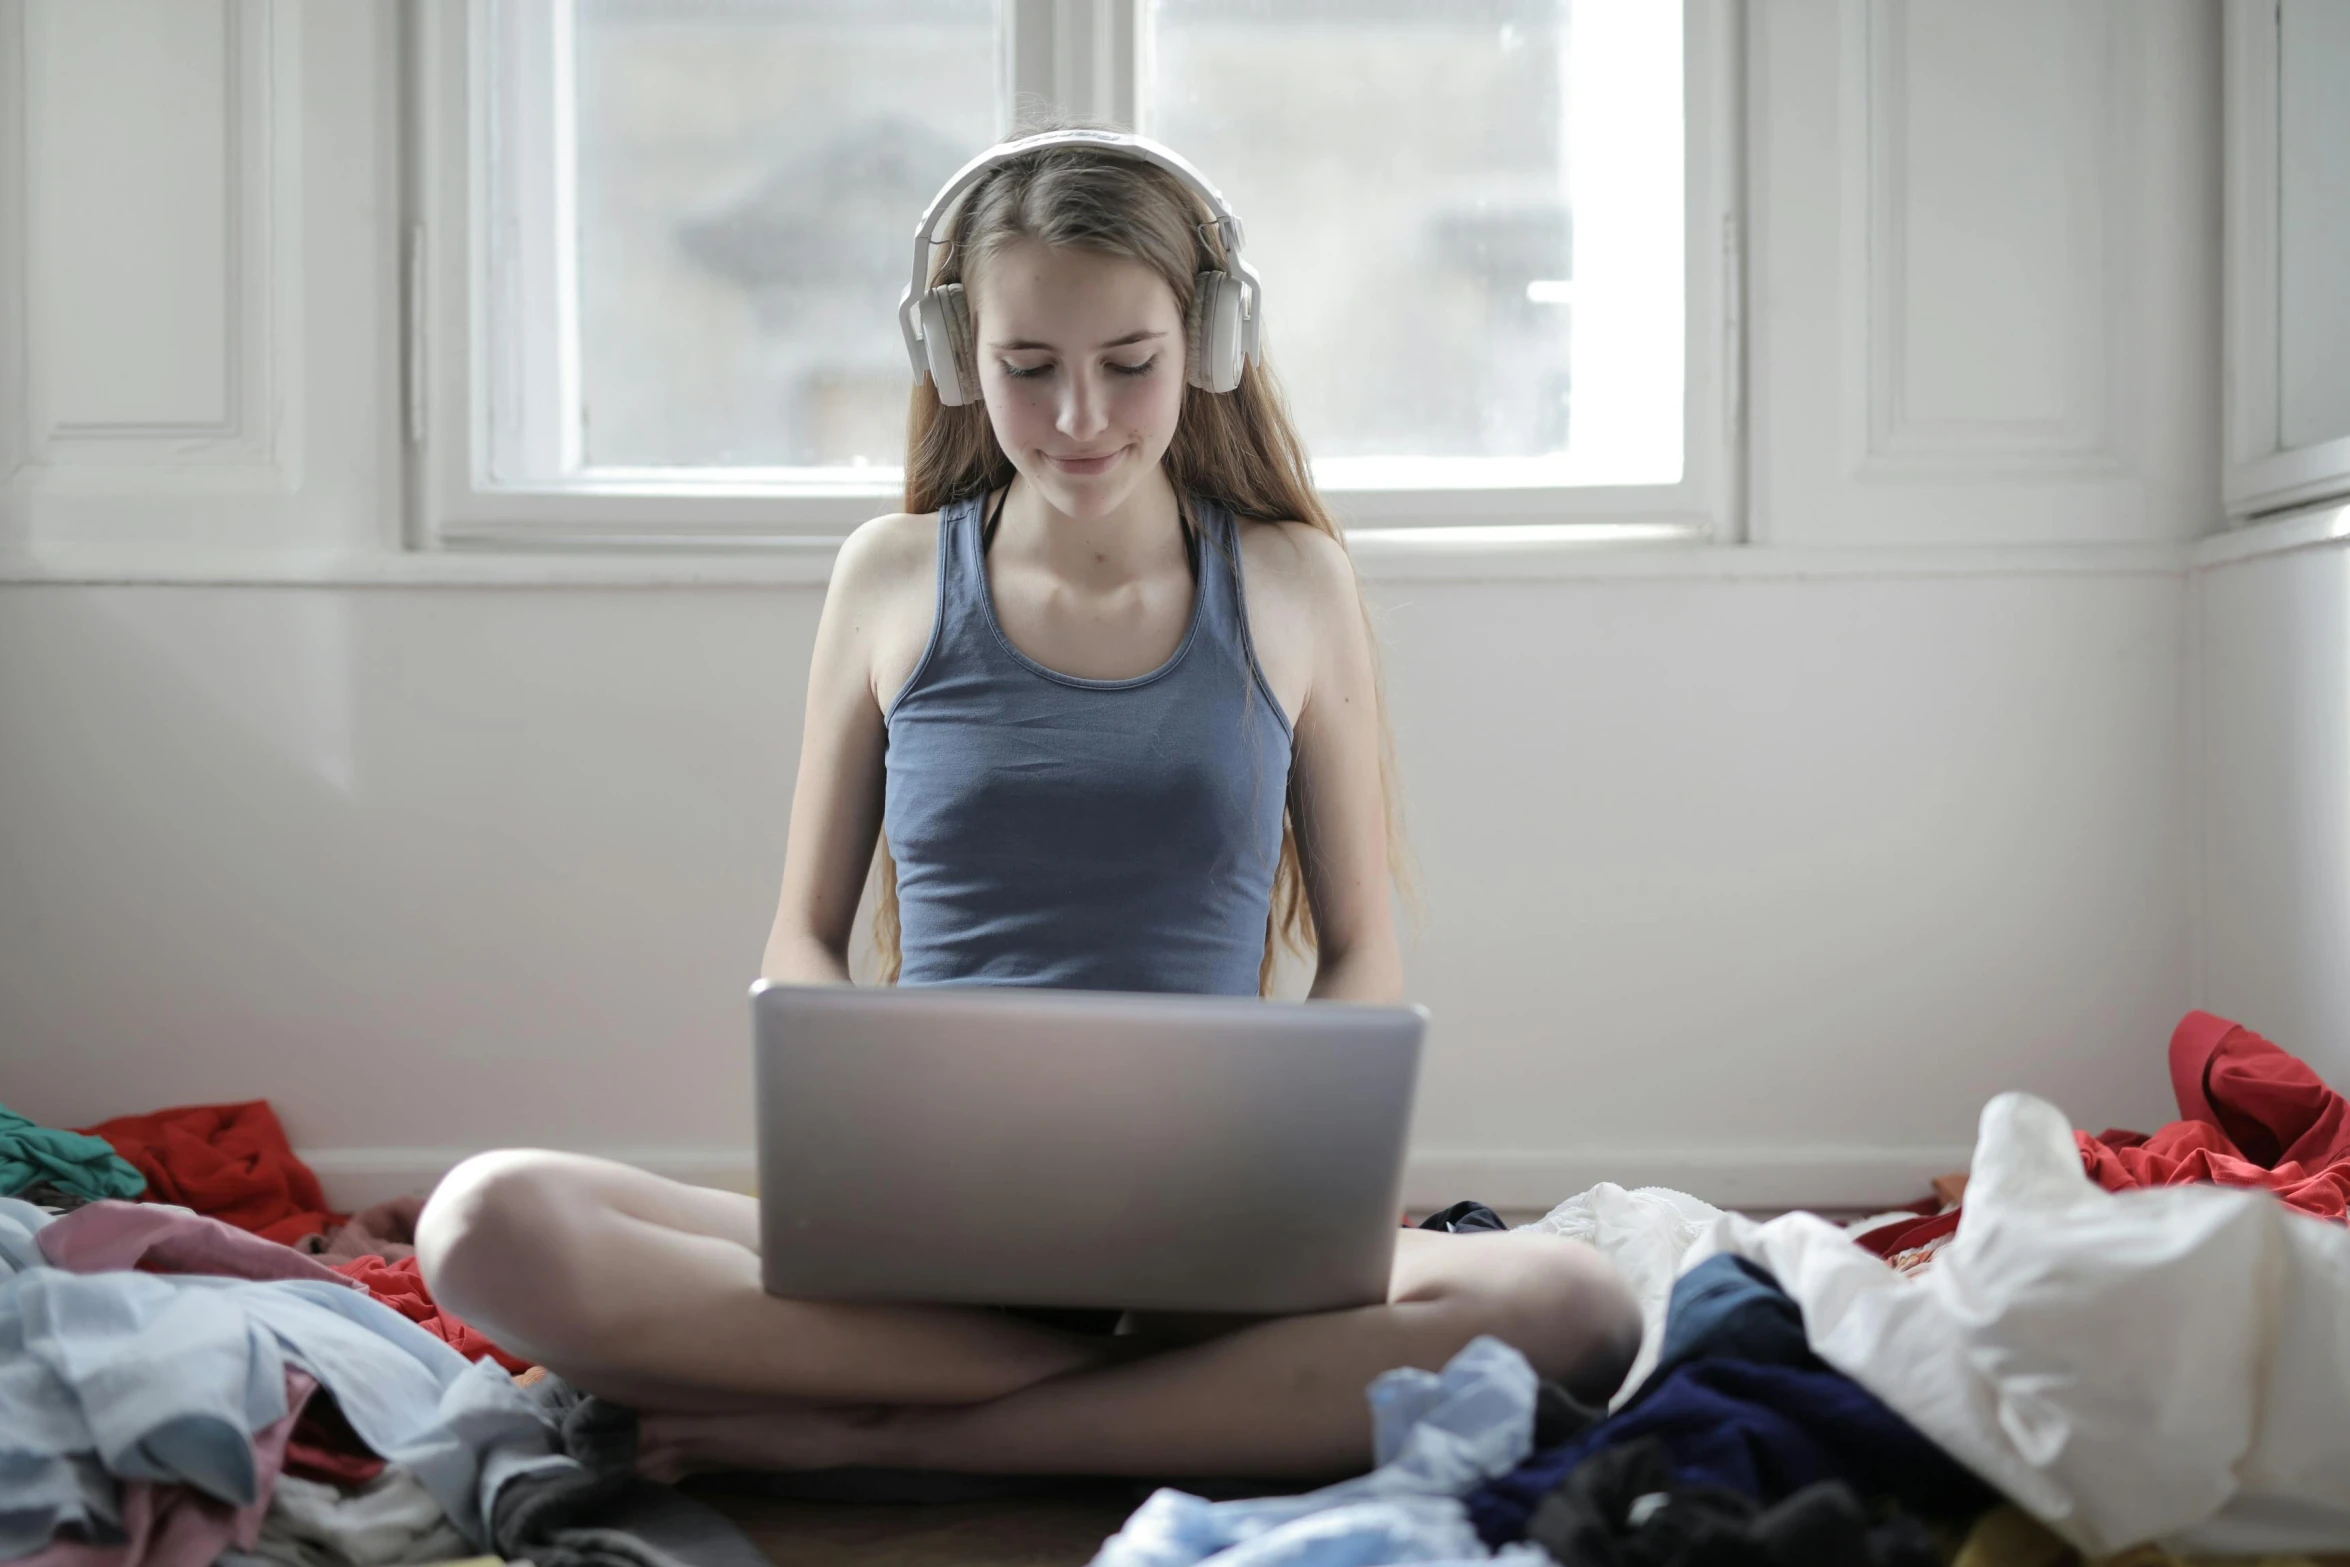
[1086, 495]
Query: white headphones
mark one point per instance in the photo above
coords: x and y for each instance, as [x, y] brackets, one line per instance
[1227, 311]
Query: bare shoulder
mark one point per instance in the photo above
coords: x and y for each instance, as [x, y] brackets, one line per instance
[885, 557]
[1300, 579]
[1305, 568]
[1303, 606]
[882, 598]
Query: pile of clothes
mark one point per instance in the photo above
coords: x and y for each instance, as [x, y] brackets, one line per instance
[232, 1163]
[2088, 1345]
[2120, 1348]
[232, 1372]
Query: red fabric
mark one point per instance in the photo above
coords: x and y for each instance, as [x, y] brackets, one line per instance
[230, 1162]
[1907, 1234]
[400, 1286]
[324, 1448]
[2255, 1116]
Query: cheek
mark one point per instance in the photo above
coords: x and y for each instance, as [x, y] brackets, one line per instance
[1019, 410]
[1153, 404]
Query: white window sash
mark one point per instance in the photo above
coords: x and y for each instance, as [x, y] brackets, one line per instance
[476, 355]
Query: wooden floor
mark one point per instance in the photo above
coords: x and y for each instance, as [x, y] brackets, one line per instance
[1057, 1530]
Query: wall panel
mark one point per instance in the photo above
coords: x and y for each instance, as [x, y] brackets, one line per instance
[1973, 325]
[198, 208]
[151, 275]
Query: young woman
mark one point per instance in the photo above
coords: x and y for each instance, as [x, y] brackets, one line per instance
[1108, 687]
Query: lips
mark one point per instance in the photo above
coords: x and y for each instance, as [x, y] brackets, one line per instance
[1101, 463]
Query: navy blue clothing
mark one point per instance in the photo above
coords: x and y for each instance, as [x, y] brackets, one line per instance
[1730, 1308]
[1051, 830]
[1762, 1431]
[1740, 1402]
[1627, 1508]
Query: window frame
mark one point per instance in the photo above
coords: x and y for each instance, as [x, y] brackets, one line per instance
[2263, 476]
[1086, 55]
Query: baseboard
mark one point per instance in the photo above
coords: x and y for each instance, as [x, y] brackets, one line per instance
[1830, 1177]
[1836, 1177]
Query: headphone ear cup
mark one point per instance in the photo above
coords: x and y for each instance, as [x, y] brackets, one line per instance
[1213, 333]
[946, 343]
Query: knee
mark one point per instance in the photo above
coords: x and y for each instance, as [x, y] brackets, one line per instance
[490, 1241]
[1564, 1306]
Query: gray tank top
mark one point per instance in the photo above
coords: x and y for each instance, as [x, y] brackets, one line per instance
[1085, 834]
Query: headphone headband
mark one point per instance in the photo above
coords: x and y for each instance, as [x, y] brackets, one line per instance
[1140, 148]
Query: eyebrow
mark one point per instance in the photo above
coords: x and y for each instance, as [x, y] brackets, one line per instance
[1027, 345]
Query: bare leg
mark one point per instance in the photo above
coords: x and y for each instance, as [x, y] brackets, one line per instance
[1281, 1398]
[647, 1291]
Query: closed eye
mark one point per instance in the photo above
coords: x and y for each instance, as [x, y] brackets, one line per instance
[1014, 372]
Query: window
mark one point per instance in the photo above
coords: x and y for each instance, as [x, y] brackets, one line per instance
[663, 258]
[1478, 222]
[2288, 228]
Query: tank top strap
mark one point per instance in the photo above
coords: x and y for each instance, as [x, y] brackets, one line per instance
[1223, 587]
[962, 572]
[1216, 564]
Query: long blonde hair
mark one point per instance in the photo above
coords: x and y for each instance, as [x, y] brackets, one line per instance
[1237, 447]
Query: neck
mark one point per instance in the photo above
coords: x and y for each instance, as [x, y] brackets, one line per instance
[1135, 539]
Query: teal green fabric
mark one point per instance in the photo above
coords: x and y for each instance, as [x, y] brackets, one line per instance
[33, 1155]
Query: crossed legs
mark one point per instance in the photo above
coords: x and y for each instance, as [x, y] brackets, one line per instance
[647, 1291]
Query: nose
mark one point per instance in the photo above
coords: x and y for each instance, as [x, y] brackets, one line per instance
[1084, 400]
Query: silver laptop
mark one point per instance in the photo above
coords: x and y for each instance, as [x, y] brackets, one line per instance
[1073, 1148]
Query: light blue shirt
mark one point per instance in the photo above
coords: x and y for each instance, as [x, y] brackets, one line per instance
[1435, 1437]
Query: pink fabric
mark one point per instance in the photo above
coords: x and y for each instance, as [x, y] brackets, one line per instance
[179, 1526]
[104, 1237]
[386, 1230]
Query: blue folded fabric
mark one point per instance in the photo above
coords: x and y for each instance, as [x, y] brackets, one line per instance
[1729, 1308]
[1434, 1437]
[19, 1222]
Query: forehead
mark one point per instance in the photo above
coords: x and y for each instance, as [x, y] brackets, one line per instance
[1032, 290]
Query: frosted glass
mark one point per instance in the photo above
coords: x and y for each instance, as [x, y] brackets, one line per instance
[749, 176]
[1469, 216]
[2313, 211]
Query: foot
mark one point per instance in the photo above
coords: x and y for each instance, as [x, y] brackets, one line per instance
[779, 1436]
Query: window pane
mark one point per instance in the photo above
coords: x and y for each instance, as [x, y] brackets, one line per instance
[749, 176]
[1468, 214]
[2313, 220]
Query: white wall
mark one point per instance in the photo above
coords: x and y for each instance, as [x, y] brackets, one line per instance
[1769, 881]
[2273, 776]
[1753, 870]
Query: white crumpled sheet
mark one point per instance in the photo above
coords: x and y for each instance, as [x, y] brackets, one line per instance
[2171, 1364]
[1645, 1233]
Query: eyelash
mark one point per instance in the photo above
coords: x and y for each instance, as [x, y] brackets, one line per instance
[1014, 372]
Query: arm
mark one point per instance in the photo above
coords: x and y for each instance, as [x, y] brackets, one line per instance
[1341, 800]
[836, 804]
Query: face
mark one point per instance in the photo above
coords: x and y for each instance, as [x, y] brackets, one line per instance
[1081, 368]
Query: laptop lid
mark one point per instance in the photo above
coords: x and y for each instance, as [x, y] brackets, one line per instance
[1067, 1148]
